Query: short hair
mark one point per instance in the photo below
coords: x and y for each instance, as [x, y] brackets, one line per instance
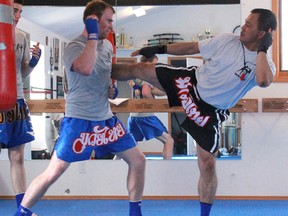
[144, 59]
[267, 19]
[96, 7]
[21, 2]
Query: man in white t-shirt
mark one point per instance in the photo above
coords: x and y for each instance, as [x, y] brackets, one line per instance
[232, 66]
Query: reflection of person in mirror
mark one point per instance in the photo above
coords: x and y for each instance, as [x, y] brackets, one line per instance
[15, 125]
[147, 125]
[233, 64]
[89, 123]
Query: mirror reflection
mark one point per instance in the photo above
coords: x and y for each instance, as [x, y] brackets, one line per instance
[193, 23]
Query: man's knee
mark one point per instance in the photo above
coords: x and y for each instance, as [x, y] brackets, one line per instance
[206, 160]
[139, 163]
[16, 154]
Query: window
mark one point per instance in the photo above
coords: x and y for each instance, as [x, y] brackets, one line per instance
[280, 46]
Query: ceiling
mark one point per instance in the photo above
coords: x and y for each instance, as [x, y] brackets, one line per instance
[67, 21]
[129, 2]
[64, 17]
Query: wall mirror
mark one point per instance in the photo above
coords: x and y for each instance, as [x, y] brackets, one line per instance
[192, 23]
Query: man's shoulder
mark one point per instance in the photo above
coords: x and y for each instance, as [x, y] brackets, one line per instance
[80, 40]
[228, 35]
[19, 33]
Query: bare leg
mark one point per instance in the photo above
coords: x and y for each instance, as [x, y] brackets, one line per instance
[208, 180]
[141, 71]
[40, 184]
[136, 172]
[17, 169]
[168, 142]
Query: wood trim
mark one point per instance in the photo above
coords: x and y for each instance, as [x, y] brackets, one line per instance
[182, 58]
[152, 153]
[280, 76]
[134, 105]
[277, 105]
[169, 123]
[126, 60]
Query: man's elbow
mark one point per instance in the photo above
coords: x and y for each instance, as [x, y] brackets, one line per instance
[85, 70]
[264, 83]
[265, 79]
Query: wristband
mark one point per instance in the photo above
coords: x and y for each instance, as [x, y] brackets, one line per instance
[265, 43]
[149, 52]
[137, 87]
[34, 61]
[116, 92]
[262, 50]
[92, 28]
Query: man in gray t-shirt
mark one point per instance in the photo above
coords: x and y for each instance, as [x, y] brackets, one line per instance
[15, 125]
[89, 124]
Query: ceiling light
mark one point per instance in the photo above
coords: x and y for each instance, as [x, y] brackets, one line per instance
[139, 12]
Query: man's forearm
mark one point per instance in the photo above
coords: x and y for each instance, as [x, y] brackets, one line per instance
[183, 48]
[264, 74]
[26, 70]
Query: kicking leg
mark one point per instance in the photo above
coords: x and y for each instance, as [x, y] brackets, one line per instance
[141, 71]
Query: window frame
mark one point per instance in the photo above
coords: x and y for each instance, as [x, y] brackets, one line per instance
[281, 75]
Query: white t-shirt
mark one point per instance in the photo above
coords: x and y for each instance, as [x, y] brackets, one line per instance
[221, 81]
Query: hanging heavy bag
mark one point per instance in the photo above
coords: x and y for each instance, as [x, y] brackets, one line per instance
[8, 85]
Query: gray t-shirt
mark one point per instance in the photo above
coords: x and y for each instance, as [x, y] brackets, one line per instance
[220, 80]
[87, 96]
[22, 56]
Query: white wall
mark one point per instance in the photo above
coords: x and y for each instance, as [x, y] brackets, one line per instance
[38, 34]
[186, 20]
[258, 173]
[42, 123]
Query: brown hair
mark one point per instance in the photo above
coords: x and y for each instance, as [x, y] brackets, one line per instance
[267, 19]
[21, 2]
[96, 7]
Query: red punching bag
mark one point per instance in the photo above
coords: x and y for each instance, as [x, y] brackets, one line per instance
[112, 38]
[8, 85]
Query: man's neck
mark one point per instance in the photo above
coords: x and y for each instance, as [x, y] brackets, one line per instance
[251, 46]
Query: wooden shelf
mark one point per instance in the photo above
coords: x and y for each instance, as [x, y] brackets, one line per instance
[275, 105]
[133, 105]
